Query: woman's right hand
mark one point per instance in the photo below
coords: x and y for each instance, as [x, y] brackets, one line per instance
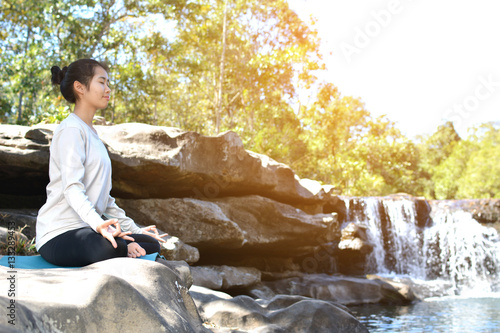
[110, 229]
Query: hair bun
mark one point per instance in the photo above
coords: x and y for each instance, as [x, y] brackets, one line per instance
[58, 74]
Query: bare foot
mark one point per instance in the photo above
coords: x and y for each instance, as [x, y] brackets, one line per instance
[135, 250]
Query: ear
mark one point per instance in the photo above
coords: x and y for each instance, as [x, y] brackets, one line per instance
[79, 88]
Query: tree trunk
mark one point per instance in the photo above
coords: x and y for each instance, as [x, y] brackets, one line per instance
[221, 76]
[20, 107]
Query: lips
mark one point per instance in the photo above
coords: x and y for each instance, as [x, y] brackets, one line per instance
[106, 97]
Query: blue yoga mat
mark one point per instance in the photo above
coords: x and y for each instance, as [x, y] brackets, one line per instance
[37, 262]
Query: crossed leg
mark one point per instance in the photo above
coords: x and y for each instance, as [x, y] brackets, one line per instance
[81, 247]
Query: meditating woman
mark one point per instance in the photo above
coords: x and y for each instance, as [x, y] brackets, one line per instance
[70, 229]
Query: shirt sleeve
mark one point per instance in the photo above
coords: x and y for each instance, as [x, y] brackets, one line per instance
[115, 212]
[70, 156]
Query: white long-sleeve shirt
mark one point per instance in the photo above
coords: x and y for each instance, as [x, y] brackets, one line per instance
[78, 193]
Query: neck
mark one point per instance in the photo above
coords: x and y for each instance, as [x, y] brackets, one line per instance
[85, 114]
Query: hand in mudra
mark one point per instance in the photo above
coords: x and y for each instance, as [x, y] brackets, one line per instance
[134, 250]
[153, 232]
[110, 229]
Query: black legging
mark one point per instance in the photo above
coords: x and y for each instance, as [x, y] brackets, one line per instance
[84, 246]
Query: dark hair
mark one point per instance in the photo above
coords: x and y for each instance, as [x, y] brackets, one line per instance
[82, 70]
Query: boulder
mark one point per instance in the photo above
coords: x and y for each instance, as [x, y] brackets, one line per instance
[155, 162]
[161, 162]
[354, 238]
[24, 159]
[404, 286]
[117, 295]
[264, 263]
[341, 289]
[353, 250]
[249, 224]
[175, 249]
[19, 219]
[7, 234]
[282, 313]
[225, 277]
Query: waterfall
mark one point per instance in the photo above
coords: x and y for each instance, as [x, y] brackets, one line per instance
[451, 246]
[462, 251]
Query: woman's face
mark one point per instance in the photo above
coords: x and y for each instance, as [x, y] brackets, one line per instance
[97, 95]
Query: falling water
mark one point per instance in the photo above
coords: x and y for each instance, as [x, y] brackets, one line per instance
[462, 251]
[452, 246]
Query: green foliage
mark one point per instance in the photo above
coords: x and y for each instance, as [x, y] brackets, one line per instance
[481, 177]
[216, 65]
[446, 174]
[461, 169]
[356, 153]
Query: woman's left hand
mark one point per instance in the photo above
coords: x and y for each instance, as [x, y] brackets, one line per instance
[153, 232]
[110, 229]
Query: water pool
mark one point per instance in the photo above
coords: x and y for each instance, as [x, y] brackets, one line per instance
[437, 315]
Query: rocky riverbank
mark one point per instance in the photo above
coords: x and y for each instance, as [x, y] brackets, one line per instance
[266, 250]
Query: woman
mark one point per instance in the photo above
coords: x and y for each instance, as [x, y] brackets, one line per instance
[70, 230]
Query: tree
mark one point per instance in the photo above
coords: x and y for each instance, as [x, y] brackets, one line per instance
[470, 169]
[446, 175]
[218, 65]
[23, 56]
[481, 177]
[358, 154]
[241, 57]
[433, 151]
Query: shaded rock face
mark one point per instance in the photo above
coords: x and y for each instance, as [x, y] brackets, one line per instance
[250, 226]
[225, 277]
[117, 295]
[280, 314]
[156, 162]
[24, 159]
[175, 249]
[162, 162]
[354, 247]
[24, 219]
[341, 289]
[354, 238]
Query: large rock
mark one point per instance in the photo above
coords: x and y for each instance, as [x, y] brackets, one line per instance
[11, 235]
[280, 314]
[117, 295]
[156, 162]
[19, 219]
[354, 247]
[24, 159]
[160, 162]
[250, 224]
[354, 238]
[341, 289]
[175, 249]
[225, 277]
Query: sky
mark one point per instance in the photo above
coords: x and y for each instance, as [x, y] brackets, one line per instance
[420, 62]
